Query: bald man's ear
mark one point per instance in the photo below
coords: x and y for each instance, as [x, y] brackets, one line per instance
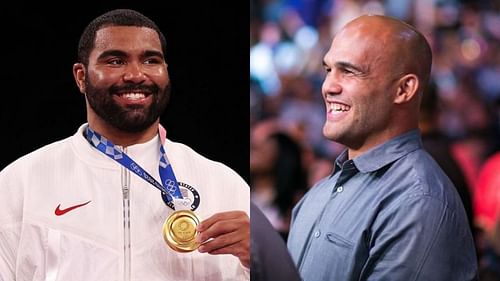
[79, 75]
[407, 88]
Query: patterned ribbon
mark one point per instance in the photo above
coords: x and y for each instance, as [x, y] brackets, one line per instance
[170, 187]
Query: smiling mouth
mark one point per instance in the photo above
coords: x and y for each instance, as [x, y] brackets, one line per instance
[335, 107]
[133, 96]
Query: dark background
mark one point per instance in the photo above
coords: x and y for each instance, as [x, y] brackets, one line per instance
[207, 53]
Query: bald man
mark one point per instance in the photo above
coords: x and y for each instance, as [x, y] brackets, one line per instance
[387, 211]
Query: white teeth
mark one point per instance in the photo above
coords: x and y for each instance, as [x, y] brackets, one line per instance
[337, 107]
[134, 96]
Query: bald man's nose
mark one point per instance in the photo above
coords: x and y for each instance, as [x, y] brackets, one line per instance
[331, 85]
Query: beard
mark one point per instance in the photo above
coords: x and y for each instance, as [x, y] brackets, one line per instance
[130, 118]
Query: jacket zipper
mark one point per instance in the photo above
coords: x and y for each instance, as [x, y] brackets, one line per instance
[125, 179]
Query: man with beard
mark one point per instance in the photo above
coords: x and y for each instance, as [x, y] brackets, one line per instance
[387, 211]
[118, 200]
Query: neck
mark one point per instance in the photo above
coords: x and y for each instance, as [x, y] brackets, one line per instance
[262, 182]
[122, 138]
[377, 139]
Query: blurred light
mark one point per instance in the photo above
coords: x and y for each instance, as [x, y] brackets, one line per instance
[492, 24]
[306, 37]
[261, 62]
[489, 83]
[373, 7]
[470, 49]
[263, 70]
[398, 8]
[270, 34]
[287, 58]
[447, 84]
[447, 14]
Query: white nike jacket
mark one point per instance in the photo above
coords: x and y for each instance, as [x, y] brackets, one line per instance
[48, 233]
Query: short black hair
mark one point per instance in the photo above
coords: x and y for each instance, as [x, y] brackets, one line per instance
[118, 17]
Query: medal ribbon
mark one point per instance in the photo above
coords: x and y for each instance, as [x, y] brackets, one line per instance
[171, 187]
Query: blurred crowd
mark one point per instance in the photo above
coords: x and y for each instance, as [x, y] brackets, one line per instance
[460, 119]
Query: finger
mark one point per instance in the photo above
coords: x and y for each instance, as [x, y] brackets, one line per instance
[220, 228]
[234, 249]
[241, 250]
[221, 242]
[218, 217]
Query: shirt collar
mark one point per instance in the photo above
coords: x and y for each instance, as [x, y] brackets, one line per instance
[384, 153]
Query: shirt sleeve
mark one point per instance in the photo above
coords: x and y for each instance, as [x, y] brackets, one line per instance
[416, 240]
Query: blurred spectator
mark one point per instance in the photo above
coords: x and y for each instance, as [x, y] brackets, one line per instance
[487, 207]
[319, 166]
[439, 146]
[277, 178]
[487, 200]
[478, 138]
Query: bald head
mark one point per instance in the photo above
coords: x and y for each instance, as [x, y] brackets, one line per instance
[377, 69]
[406, 47]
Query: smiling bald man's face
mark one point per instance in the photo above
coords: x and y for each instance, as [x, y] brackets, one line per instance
[364, 64]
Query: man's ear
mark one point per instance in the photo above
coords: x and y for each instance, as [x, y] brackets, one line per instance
[79, 75]
[407, 88]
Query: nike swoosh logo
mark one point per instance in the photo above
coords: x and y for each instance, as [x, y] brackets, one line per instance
[60, 212]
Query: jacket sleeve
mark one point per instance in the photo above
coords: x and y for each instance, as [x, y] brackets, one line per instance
[11, 202]
[9, 240]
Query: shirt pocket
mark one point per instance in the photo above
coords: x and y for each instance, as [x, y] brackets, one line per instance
[331, 258]
[339, 241]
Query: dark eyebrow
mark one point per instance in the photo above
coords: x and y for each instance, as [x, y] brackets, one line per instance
[345, 65]
[348, 65]
[150, 53]
[112, 53]
[119, 53]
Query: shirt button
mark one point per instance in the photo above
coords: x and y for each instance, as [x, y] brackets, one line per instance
[340, 188]
[317, 233]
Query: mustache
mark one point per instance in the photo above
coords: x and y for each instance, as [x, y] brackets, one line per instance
[153, 89]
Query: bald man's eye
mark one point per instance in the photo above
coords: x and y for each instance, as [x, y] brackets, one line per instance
[347, 71]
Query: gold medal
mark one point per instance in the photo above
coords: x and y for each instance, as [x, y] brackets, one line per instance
[179, 231]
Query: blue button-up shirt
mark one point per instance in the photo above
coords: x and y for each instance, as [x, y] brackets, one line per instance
[388, 214]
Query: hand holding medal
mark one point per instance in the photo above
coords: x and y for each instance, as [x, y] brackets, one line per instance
[226, 233]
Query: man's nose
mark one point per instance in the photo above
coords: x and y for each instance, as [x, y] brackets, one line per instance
[331, 86]
[134, 73]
